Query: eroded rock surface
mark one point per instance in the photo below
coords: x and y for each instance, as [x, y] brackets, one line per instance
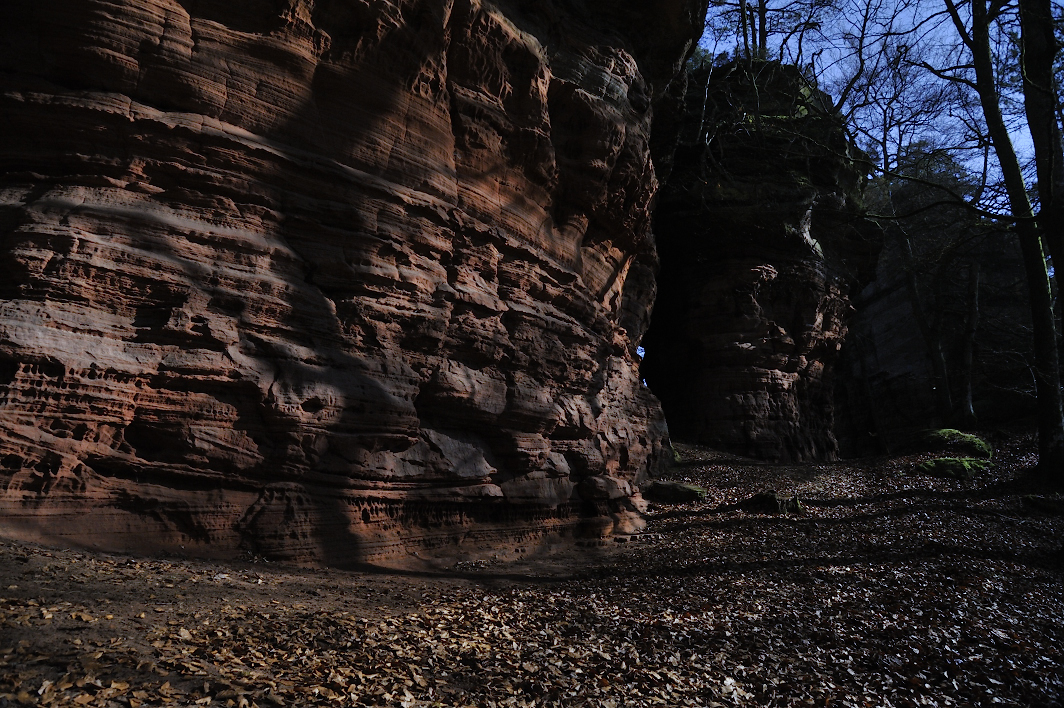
[326, 279]
[760, 247]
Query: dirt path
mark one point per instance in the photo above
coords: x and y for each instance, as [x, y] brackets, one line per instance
[891, 589]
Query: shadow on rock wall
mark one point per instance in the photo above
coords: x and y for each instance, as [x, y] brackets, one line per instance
[323, 281]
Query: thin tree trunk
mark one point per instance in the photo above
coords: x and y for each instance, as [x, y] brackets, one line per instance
[939, 370]
[1041, 105]
[762, 29]
[967, 413]
[744, 25]
[1047, 370]
[885, 143]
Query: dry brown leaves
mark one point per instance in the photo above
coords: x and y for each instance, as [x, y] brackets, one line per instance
[891, 590]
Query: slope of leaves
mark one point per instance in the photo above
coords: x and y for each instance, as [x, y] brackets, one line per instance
[891, 589]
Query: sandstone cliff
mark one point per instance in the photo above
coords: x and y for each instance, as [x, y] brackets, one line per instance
[760, 246]
[326, 279]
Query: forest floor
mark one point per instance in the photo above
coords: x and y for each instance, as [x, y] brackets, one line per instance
[889, 589]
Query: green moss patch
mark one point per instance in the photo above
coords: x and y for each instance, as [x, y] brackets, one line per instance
[963, 444]
[953, 467]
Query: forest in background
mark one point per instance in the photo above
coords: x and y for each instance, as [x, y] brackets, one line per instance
[958, 110]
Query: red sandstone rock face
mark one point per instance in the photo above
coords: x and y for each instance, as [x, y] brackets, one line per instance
[760, 247]
[323, 280]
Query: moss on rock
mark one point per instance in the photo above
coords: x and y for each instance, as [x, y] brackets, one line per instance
[963, 444]
[953, 467]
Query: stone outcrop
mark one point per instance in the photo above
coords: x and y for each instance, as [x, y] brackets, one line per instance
[886, 386]
[760, 247]
[325, 279]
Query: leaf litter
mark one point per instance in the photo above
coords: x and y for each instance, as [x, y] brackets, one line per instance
[889, 589]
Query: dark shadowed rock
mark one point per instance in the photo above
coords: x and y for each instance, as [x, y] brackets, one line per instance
[771, 503]
[760, 246]
[664, 492]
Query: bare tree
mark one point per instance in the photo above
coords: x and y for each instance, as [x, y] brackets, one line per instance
[767, 29]
[980, 72]
[907, 72]
[960, 55]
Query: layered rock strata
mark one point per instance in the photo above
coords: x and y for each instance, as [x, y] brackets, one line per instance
[760, 246]
[325, 280]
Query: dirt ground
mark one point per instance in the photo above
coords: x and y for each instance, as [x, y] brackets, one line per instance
[890, 588]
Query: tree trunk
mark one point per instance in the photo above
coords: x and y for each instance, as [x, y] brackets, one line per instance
[939, 370]
[1041, 105]
[744, 25]
[762, 29]
[884, 143]
[966, 416]
[1047, 370]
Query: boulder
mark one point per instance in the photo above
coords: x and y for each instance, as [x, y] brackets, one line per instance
[771, 503]
[666, 492]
